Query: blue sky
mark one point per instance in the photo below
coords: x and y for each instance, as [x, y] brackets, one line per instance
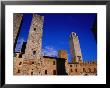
[56, 30]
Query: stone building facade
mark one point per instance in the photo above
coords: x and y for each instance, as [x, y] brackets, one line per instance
[48, 66]
[80, 67]
[84, 68]
[30, 61]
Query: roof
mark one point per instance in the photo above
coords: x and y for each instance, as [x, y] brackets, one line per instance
[73, 63]
[53, 58]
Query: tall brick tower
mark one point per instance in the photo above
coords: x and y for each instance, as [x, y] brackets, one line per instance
[75, 48]
[17, 17]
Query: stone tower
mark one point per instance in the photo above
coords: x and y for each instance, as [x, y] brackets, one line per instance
[75, 48]
[30, 62]
[34, 42]
[63, 54]
[17, 18]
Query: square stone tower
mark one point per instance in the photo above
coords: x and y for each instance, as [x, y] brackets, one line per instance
[63, 55]
[75, 48]
[17, 18]
[34, 42]
[30, 63]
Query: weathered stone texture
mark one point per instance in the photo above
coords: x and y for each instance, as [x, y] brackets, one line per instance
[17, 17]
[82, 69]
[34, 42]
[49, 65]
[33, 63]
[75, 47]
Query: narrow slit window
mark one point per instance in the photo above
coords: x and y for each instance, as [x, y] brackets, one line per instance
[45, 71]
[53, 62]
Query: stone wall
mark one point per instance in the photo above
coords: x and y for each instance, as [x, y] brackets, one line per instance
[49, 66]
[86, 68]
[31, 67]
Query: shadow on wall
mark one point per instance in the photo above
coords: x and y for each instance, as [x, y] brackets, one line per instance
[61, 66]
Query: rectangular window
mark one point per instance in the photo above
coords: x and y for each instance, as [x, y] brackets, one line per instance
[53, 62]
[75, 70]
[20, 55]
[84, 70]
[45, 71]
[95, 70]
[31, 73]
[54, 72]
[18, 71]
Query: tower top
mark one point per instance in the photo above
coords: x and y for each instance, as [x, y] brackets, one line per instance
[73, 34]
[62, 54]
[38, 16]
